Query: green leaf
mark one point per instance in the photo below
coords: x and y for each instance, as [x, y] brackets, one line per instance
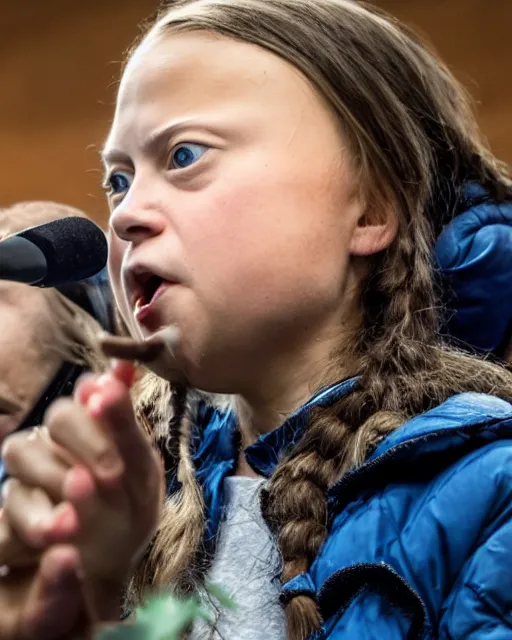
[164, 617]
[219, 594]
[167, 616]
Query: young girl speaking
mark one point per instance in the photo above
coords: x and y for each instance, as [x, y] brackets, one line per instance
[277, 173]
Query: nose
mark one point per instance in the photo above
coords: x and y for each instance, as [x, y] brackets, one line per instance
[135, 222]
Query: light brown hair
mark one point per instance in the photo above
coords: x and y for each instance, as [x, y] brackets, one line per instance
[72, 332]
[415, 143]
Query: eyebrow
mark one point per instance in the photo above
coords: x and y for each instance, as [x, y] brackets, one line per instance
[158, 137]
[154, 141]
[113, 156]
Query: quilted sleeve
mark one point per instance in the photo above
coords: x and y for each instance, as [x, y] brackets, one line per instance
[479, 604]
[474, 254]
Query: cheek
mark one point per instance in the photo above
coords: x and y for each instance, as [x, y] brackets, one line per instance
[116, 250]
[24, 341]
[267, 236]
[116, 253]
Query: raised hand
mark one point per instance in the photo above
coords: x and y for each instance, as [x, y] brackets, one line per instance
[93, 482]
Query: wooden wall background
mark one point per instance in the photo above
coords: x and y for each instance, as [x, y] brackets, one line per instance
[59, 62]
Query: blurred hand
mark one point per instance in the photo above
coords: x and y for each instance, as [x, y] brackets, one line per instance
[41, 593]
[93, 483]
[47, 601]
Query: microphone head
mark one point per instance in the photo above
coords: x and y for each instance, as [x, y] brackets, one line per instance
[75, 249]
[21, 261]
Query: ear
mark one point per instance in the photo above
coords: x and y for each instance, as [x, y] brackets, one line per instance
[376, 229]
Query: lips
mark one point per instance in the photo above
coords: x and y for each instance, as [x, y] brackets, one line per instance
[146, 290]
[146, 286]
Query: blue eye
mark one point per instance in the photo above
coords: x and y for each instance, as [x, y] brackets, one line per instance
[186, 154]
[119, 182]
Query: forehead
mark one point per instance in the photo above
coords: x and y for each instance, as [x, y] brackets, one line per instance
[189, 74]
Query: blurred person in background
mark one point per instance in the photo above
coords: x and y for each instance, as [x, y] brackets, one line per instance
[48, 339]
[47, 336]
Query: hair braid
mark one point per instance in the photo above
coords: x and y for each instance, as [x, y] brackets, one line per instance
[170, 446]
[398, 341]
[400, 323]
[339, 436]
[405, 371]
[169, 559]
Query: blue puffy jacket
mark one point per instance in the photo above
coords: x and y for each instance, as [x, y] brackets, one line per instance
[420, 536]
[474, 253]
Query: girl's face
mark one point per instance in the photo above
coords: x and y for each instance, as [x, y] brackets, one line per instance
[232, 207]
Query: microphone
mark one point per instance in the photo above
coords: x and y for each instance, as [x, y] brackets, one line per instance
[53, 254]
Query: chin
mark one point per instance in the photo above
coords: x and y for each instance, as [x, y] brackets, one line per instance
[212, 381]
[200, 367]
[168, 368]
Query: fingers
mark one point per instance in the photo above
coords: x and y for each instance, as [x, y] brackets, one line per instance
[17, 548]
[29, 511]
[79, 486]
[33, 517]
[85, 439]
[13, 552]
[80, 491]
[29, 521]
[45, 602]
[85, 385]
[56, 606]
[88, 383]
[124, 372]
[104, 435]
[112, 407]
[31, 458]
[91, 504]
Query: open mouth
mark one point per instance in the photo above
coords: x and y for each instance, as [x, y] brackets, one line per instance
[148, 285]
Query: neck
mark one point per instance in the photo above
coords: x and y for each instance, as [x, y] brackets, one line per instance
[288, 384]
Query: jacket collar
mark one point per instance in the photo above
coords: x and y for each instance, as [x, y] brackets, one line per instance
[216, 443]
[218, 440]
[464, 410]
[265, 453]
[462, 423]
